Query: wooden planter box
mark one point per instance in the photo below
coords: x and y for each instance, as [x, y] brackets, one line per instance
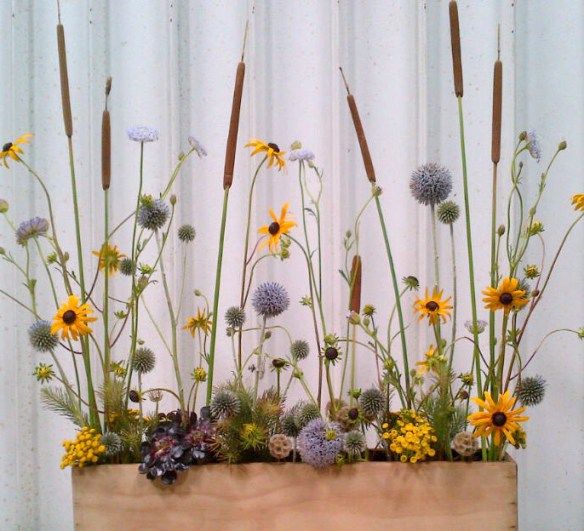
[287, 496]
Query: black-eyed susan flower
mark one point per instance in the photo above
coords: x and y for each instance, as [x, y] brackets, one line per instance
[272, 151]
[432, 359]
[506, 296]
[110, 258]
[276, 228]
[578, 202]
[434, 307]
[497, 418]
[71, 319]
[13, 150]
[201, 321]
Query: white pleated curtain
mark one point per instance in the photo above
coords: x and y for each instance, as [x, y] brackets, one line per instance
[173, 66]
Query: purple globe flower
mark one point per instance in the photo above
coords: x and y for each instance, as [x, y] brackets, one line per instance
[431, 184]
[320, 442]
[31, 229]
[270, 299]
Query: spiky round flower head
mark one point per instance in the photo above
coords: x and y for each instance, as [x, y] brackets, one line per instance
[186, 233]
[320, 442]
[369, 310]
[307, 412]
[279, 446]
[481, 325]
[153, 214]
[371, 402]
[289, 423]
[270, 299]
[235, 317]
[40, 337]
[431, 184]
[354, 443]
[225, 404]
[142, 133]
[531, 390]
[299, 349]
[533, 145]
[4, 206]
[143, 360]
[411, 282]
[448, 212]
[127, 267]
[465, 444]
[112, 442]
[31, 229]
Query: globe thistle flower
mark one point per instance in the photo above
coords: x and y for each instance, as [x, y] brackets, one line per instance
[431, 184]
[371, 402]
[142, 133]
[43, 372]
[235, 317]
[465, 444]
[448, 212]
[279, 446]
[289, 423]
[354, 444]
[320, 442]
[225, 403]
[533, 145]
[186, 233]
[299, 349]
[31, 229]
[198, 147]
[144, 360]
[301, 155]
[270, 299]
[307, 411]
[127, 267]
[411, 282]
[4, 206]
[41, 338]
[480, 328]
[112, 442]
[153, 213]
[531, 390]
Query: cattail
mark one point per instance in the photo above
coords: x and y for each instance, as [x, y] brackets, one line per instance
[65, 96]
[497, 107]
[233, 127]
[106, 150]
[455, 42]
[355, 301]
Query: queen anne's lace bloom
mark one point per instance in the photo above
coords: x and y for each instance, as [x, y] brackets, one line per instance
[142, 133]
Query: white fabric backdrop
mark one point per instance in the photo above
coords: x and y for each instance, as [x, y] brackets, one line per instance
[173, 66]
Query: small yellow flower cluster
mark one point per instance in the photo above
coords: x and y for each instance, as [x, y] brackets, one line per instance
[84, 450]
[199, 374]
[411, 438]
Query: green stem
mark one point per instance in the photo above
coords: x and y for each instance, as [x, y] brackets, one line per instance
[435, 248]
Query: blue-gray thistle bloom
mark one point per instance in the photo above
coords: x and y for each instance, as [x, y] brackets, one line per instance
[225, 403]
[235, 317]
[198, 147]
[144, 360]
[142, 133]
[533, 145]
[112, 442]
[40, 337]
[31, 229]
[354, 443]
[448, 212]
[301, 154]
[153, 214]
[270, 299]
[186, 233]
[320, 442]
[431, 184]
[531, 390]
[300, 349]
[127, 267]
[371, 402]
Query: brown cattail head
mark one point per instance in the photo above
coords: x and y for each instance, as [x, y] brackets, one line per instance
[455, 42]
[108, 86]
[65, 97]
[106, 150]
[369, 170]
[233, 127]
[497, 108]
[355, 301]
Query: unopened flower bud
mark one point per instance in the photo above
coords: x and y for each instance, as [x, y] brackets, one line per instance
[563, 145]
[173, 199]
[198, 293]
[4, 206]
[296, 145]
[354, 318]
[501, 230]
[523, 135]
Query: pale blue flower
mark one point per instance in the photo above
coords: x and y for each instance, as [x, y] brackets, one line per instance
[31, 229]
[142, 133]
[270, 299]
[301, 154]
[431, 184]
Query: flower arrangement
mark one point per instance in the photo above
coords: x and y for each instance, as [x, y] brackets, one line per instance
[417, 409]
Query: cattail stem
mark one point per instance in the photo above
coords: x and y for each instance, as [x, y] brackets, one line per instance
[233, 127]
[455, 43]
[64, 76]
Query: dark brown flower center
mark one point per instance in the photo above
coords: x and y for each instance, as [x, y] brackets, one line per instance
[353, 413]
[7, 146]
[506, 298]
[274, 228]
[499, 419]
[432, 306]
[69, 317]
[331, 353]
[274, 147]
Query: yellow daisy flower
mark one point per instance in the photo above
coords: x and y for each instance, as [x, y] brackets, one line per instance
[272, 151]
[497, 418]
[275, 229]
[434, 307]
[72, 318]
[578, 202]
[506, 296]
[13, 150]
[109, 258]
[431, 359]
[201, 321]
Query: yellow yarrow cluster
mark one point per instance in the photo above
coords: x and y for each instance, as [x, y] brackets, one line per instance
[411, 437]
[84, 450]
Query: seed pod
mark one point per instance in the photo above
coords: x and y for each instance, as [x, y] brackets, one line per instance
[65, 96]
[355, 301]
[497, 108]
[106, 150]
[233, 127]
[455, 43]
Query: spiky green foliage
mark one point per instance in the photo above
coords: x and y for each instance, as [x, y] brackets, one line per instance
[58, 400]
